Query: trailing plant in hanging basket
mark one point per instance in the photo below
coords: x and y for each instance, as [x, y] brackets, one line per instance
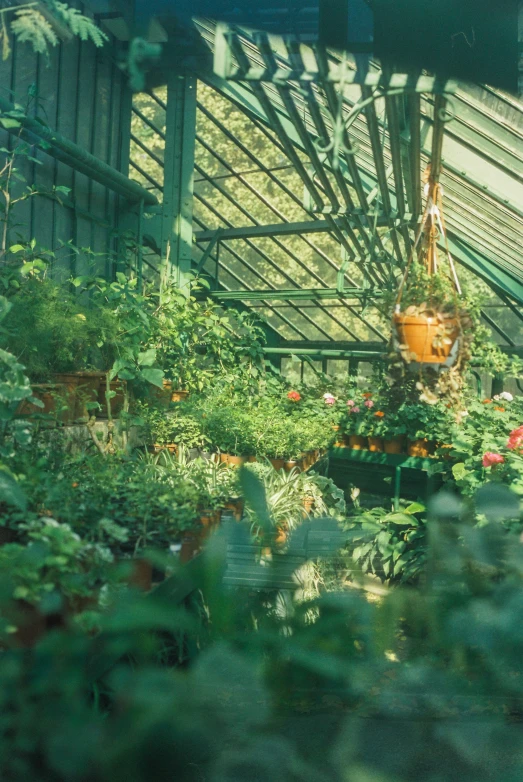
[432, 328]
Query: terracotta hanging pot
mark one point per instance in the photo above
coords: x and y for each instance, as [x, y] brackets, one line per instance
[376, 444]
[427, 340]
[394, 445]
[358, 443]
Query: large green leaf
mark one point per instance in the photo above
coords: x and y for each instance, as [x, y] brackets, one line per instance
[153, 376]
[10, 491]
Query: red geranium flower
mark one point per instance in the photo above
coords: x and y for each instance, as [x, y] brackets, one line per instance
[367, 394]
[490, 459]
[293, 396]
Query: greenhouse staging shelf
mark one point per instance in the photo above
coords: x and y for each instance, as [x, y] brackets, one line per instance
[389, 475]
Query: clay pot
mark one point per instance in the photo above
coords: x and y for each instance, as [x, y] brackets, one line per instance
[252, 459]
[418, 333]
[80, 388]
[278, 464]
[179, 396]
[45, 393]
[30, 623]
[292, 464]
[162, 395]
[193, 540]
[236, 506]
[376, 444]
[280, 537]
[232, 461]
[308, 502]
[358, 443]
[395, 445]
[141, 573]
[421, 447]
[157, 447]
[446, 448]
[191, 546]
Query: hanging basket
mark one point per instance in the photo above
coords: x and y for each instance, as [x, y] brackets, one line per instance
[427, 340]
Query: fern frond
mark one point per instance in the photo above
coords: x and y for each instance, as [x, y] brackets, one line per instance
[80, 25]
[32, 27]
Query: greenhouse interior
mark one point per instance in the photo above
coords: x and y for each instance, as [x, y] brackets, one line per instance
[261, 391]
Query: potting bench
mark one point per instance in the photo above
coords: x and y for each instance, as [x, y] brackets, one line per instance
[389, 475]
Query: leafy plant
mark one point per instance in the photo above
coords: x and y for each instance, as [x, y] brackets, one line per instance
[390, 545]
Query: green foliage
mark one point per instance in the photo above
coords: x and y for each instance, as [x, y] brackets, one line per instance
[45, 24]
[177, 425]
[390, 545]
[50, 330]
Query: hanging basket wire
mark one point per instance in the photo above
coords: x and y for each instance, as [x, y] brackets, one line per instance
[424, 335]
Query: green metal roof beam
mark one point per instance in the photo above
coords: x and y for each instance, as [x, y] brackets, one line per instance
[299, 294]
[54, 144]
[284, 229]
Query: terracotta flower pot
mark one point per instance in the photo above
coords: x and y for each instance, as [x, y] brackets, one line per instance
[179, 395]
[292, 464]
[232, 461]
[162, 395]
[157, 447]
[446, 449]
[236, 506]
[308, 502]
[252, 459]
[376, 444]
[358, 443]
[141, 576]
[419, 333]
[191, 546]
[45, 392]
[421, 447]
[280, 537]
[278, 464]
[395, 445]
[80, 388]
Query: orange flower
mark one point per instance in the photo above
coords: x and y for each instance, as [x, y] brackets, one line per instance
[379, 413]
[75, 485]
[501, 409]
[487, 401]
[367, 395]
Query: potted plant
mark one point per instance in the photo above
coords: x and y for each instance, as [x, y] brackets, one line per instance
[229, 429]
[426, 317]
[357, 422]
[425, 424]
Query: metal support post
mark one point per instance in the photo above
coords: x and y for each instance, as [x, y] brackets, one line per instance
[177, 232]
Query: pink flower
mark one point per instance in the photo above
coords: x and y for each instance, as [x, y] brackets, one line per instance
[369, 403]
[293, 396]
[329, 399]
[351, 403]
[490, 459]
[354, 410]
[515, 439]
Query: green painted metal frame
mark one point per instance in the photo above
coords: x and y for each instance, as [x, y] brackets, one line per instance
[178, 190]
